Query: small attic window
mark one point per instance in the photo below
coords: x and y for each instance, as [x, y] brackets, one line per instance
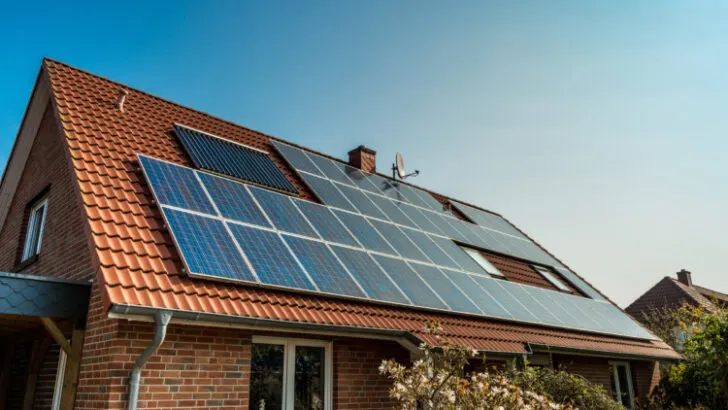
[551, 276]
[483, 262]
[34, 229]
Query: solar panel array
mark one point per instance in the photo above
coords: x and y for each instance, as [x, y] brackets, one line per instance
[341, 186]
[232, 159]
[280, 241]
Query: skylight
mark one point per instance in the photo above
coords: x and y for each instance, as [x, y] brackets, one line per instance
[551, 277]
[483, 262]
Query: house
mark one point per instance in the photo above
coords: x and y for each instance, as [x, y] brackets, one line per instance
[671, 293]
[160, 257]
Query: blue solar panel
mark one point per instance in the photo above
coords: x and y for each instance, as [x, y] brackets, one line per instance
[328, 193]
[488, 220]
[573, 316]
[410, 283]
[399, 241]
[508, 301]
[326, 223]
[430, 200]
[391, 210]
[361, 179]
[206, 246]
[412, 196]
[331, 169]
[430, 248]
[485, 302]
[441, 222]
[233, 200]
[323, 267]
[445, 288]
[469, 232]
[271, 259]
[374, 281]
[361, 201]
[457, 254]
[235, 160]
[281, 211]
[542, 313]
[365, 233]
[296, 157]
[419, 217]
[175, 185]
[579, 283]
[491, 241]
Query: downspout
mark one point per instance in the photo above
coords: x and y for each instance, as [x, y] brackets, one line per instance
[162, 319]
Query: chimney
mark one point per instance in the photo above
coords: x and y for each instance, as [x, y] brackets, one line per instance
[685, 277]
[363, 158]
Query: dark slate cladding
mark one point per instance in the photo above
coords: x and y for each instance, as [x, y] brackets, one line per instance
[231, 159]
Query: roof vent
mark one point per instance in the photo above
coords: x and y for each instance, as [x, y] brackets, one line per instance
[121, 99]
[685, 277]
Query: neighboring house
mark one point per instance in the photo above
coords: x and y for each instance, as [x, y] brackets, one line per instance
[672, 293]
[137, 239]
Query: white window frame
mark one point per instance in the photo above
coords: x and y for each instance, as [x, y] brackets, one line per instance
[289, 366]
[484, 263]
[550, 276]
[60, 375]
[31, 249]
[615, 378]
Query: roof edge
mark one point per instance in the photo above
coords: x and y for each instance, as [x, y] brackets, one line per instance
[600, 353]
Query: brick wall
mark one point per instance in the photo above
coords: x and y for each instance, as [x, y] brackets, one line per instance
[47, 379]
[594, 369]
[646, 377]
[65, 251]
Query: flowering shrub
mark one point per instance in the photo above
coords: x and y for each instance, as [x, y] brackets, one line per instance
[436, 382]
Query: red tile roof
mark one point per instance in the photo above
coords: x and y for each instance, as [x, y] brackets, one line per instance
[671, 293]
[138, 264]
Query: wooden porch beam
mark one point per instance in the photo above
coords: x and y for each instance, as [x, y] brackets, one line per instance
[56, 334]
[73, 365]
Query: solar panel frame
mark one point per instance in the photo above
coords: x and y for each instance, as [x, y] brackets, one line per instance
[233, 201]
[419, 218]
[361, 201]
[377, 283]
[399, 241]
[364, 232]
[482, 299]
[330, 169]
[175, 185]
[509, 302]
[233, 159]
[448, 291]
[521, 293]
[458, 255]
[391, 210]
[430, 248]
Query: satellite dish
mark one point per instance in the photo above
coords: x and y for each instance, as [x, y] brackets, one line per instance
[398, 168]
[399, 161]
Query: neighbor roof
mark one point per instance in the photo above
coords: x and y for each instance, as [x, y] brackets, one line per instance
[138, 263]
[671, 293]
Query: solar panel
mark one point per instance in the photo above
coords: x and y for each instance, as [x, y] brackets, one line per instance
[391, 210]
[365, 233]
[399, 241]
[492, 241]
[326, 223]
[467, 229]
[323, 267]
[485, 302]
[330, 169]
[175, 185]
[327, 192]
[542, 314]
[232, 159]
[362, 202]
[233, 200]
[270, 258]
[579, 283]
[297, 158]
[386, 187]
[445, 288]
[198, 237]
[505, 298]
[441, 222]
[419, 218]
[430, 200]
[411, 284]
[411, 195]
[488, 220]
[457, 254]
[281, 211]
[430, 248]
[361, 180]
[374, 281]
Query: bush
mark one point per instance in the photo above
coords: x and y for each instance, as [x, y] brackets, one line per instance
[564, 388]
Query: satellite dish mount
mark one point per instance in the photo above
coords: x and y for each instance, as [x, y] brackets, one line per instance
[398, 169]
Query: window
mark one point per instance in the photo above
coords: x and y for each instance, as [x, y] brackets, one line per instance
[622, 384]
[60, 374]
[551, 277]
[483, 262]
[34, 231]
[290, 374]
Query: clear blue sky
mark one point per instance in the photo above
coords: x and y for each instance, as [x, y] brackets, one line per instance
[599, 128]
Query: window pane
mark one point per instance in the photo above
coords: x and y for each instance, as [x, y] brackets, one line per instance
[623, 385]
[266, 377]
[309, 384]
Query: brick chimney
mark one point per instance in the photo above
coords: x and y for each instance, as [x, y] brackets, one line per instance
[363, 158]
[685, 277]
